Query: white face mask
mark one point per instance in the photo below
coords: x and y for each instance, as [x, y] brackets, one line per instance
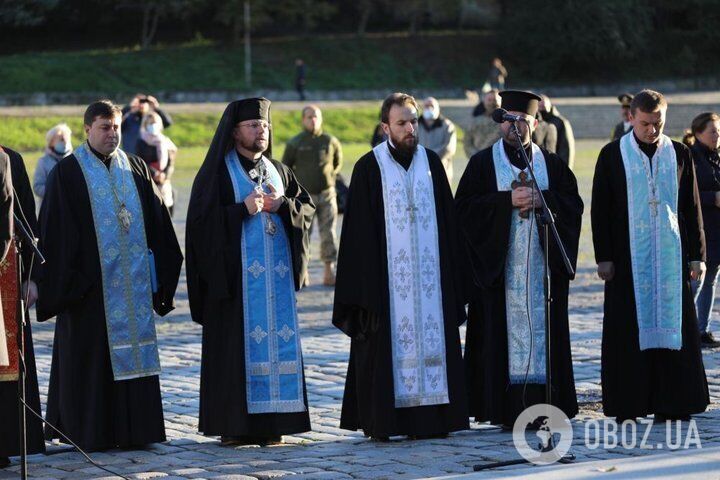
[152, 129]
[429, 114]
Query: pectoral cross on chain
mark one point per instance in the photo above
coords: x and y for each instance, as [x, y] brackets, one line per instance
[654, 202]
[411, 209]
[523, 182]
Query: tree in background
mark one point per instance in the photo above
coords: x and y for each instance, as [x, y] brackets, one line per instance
[25, 13]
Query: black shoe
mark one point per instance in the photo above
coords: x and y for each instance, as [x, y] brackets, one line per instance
[428, 436]
[4, 462]
[380, 438]
[707, 340]
[234, 440]
[269, 440]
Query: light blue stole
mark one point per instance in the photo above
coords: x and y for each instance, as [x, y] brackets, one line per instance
[655, 249]
[524, 287]
[273, 356]
[125, 263]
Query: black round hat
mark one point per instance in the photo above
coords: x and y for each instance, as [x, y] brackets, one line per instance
[520, 101]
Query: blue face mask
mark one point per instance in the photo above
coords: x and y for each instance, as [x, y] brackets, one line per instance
[61, 148]
[152, 129]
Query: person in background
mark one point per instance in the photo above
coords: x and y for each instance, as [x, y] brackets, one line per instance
[483, 131]
[497, 75]
[624, 126]
[316, 158]
[565, 138]
[703, 138]
[545, 135]
[437, 133]
[300, 78]
[132, 117]
[58, 145]
[159, 153]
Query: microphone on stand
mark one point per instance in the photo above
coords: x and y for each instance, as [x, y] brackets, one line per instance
[501, 115]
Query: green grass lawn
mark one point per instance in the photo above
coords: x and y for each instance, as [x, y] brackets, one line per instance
[333, 63]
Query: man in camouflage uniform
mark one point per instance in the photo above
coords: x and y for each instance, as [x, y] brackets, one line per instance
[316, 157]
[483, 131]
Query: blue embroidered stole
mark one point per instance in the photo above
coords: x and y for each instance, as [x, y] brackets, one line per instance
[273, 356]
[524, 284]
[125, 265]
[655, 249]
[417, 326]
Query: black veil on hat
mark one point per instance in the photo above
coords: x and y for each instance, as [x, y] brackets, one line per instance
[206, 215]
[520, 101]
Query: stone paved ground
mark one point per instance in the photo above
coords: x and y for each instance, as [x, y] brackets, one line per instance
[328, 452]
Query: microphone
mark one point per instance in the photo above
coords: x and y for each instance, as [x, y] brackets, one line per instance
[501, 115]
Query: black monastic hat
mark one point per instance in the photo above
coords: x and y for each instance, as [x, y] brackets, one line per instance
[252, 109]
[520, 101]
[625, 100]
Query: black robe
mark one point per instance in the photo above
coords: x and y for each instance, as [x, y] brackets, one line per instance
[362, 311]
[84, 400]
[485, 217]
[637, 383]
[216, 302]
[24, 203]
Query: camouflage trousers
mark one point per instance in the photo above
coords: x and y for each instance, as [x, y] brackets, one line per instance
[326, 212]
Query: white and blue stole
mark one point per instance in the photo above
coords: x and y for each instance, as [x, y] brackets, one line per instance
[655, 249]
[524, 277]
[125, 263]
[273, 356]
[417, 326]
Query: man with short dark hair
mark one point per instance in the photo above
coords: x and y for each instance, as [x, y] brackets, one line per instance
[624, 126]
[247, 252]
[649, 241]
[316, 159]
[112, 258]
[400, 288]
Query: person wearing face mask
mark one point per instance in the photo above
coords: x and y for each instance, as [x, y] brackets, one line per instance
[58, 146]
[703, 138]
[438, 134]
[132, 117]
[159, 153]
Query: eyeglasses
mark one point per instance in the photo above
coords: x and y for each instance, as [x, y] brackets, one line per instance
[256, 125]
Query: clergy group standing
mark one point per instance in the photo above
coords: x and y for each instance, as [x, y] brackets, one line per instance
[247, 252]
[111, 259]
[505, 346]
[400, 289]
[649, 242]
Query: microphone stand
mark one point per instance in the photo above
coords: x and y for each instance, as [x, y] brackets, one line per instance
[547, 221]
[22, 239]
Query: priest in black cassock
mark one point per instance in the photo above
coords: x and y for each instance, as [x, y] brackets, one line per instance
[649, 242]
[247, 253]
[23, 204]
[112, 258]
[399, 292]
[505, 351]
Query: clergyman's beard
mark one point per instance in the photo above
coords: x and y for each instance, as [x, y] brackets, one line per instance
[403, 148]
[254, 146]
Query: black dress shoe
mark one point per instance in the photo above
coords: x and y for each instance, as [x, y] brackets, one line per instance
[232, 440]
[4, 462]
[380, 438]
[707, 340]
[268, 440]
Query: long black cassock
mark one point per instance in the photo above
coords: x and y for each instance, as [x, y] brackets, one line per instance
[636, 383]
[84, 400]
[362, 310]
[215, 289]
[485, 217]
[24, 204]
